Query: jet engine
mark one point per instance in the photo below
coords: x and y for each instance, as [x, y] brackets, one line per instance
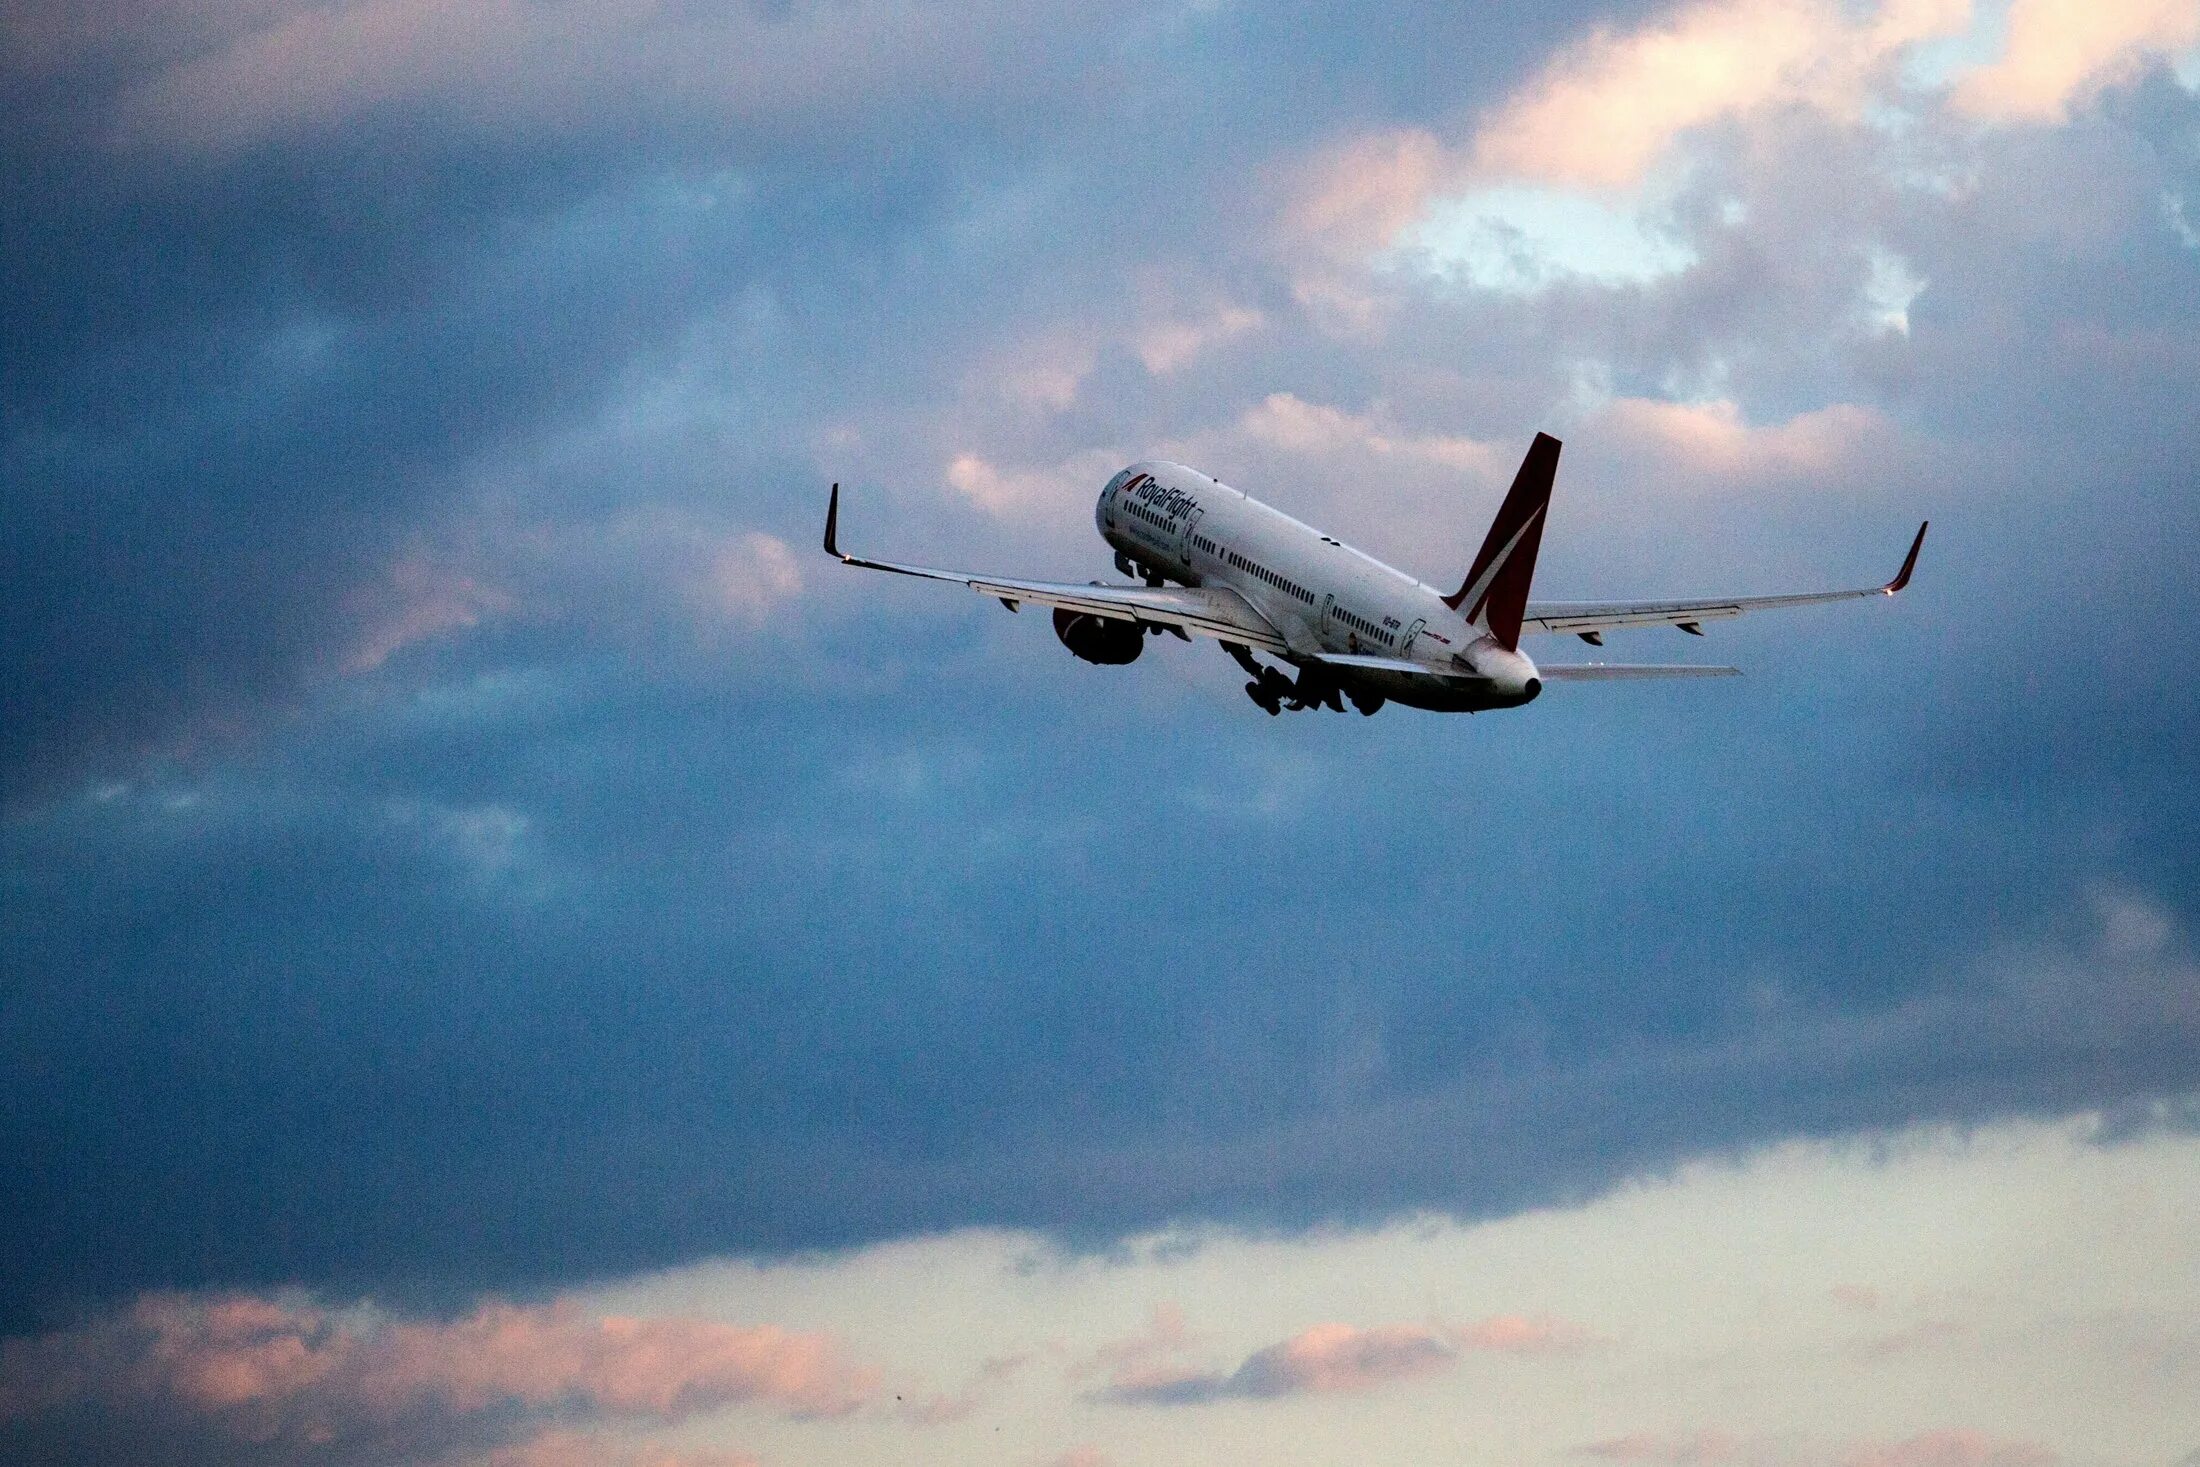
[1101, 639]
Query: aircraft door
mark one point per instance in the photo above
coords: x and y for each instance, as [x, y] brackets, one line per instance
[1184, 545]
[1406, 640]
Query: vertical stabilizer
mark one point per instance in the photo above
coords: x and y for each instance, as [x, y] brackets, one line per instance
[1495, 592]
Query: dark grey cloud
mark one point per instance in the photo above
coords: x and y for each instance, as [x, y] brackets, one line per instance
[610, 932]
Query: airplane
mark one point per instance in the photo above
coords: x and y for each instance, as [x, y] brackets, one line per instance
[1349, 626]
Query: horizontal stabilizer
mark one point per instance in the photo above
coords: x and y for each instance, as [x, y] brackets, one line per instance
[1589, 672]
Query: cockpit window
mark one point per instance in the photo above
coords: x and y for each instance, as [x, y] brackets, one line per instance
[1116, 483]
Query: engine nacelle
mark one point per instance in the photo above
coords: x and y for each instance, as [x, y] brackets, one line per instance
[1100, 639]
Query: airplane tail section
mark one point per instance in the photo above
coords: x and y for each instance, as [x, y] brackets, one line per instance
[1494, 595]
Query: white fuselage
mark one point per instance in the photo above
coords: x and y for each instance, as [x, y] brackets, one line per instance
[1323, 596]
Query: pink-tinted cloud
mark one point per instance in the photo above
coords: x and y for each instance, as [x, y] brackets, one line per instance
[657, 1367]
[2062, 53]
[1170, 344]
[263, 1370]
[1330, 1359]
[1165, 1337]
[631, 574]
[1860, 1297]
[417, 599]
[1515, 1334]
[1606, 111]
[592, 1449]
[938, 1409]
[1356, 196]
[1712, 438]
[237, 75]
[1081, 1456]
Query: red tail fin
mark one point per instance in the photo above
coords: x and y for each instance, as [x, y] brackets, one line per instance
[1495, 592]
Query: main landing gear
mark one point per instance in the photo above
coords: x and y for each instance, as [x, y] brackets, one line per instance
[1272, 692]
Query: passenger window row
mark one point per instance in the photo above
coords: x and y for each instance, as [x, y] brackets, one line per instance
[1360, 624]
[1282, 583]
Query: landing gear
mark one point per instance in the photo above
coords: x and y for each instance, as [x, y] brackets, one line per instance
[1273, 692]
[1268, 691]
[1137, 571]
[1311, 691]
[1268, 686]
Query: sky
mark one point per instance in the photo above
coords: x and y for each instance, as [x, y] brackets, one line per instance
[512, 958]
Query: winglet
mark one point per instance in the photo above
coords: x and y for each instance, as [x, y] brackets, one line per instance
[832, 526]
[1909, 562]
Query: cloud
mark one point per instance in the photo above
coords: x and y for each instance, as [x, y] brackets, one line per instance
[987, 1381]
[2062, 53]
[1942, 1447]
[1712, 438]
[583, 354]
[1173, 343]
[1332, 1359]
[1678, 1449]
[1925, 1334]
[1081, 1456]
[1861, 1297]
[1356, 196]
[1311, 430]
[416, 600]
[628, 577]
[586, 1449]
[1029, 492]
[1605, 112]
[1579, 143]
[267, 71]
[254, 1370]
[1953, 1448]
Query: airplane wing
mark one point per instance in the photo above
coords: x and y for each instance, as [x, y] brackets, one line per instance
[1206, 611]
[1590, 617]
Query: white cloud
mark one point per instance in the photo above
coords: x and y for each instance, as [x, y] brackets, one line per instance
[2031, 1273]
[1521, 240]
